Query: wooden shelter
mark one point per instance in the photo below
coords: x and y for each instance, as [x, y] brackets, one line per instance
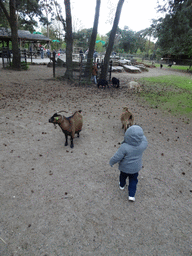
[24, 36]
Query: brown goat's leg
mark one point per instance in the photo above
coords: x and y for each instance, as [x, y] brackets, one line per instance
[66, 140]
[78, 134]
[71, 142]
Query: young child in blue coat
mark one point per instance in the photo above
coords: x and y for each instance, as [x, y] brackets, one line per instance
[129, 157]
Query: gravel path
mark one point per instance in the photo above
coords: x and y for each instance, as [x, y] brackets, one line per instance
[61, 201]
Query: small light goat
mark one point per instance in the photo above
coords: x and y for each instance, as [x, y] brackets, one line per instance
[127, 118]
[69, 125]
[134, 86]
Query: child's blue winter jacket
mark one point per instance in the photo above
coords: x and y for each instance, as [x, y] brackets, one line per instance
[129, 155]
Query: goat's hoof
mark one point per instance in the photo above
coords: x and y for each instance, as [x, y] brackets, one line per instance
[71, 146]
[66, 144]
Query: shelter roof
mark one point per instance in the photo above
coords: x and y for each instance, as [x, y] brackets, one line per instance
[5, 33]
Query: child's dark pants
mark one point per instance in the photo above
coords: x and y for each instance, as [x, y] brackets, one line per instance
[132, 182]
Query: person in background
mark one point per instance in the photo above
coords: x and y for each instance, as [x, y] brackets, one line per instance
[86, 53]
[95, 55]
[42, 52]
[48, 53]
[94, 73]
[81, 55]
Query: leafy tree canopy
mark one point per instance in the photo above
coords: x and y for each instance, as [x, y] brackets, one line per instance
[174, 32]
[82, 38]
[129, 41]
[27, 11]
[3, 19]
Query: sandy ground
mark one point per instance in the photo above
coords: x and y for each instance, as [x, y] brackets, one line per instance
[61, 201]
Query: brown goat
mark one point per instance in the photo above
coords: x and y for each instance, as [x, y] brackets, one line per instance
[127, 118]
[69, 125]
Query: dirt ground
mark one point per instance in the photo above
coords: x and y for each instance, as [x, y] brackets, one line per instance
[61, 201]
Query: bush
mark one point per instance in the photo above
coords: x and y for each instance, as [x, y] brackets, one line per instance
[24, 65]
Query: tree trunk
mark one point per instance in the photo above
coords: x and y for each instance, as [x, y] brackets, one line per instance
[14, 35]
[88, 69]
[104, 70]
[69, 41]
[12, 19]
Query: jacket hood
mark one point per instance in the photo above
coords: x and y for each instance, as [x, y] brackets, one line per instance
[134, 135]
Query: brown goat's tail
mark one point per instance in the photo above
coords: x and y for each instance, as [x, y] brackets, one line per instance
[79, 111]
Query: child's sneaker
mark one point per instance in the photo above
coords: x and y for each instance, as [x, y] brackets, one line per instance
[121, 188]
[132, 199]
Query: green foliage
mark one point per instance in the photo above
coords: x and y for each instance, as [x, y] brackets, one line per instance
[3, 20]
[128, 41]
[82, 38]
[27, 11]
[184, 68]
[138, 51]
[24, 65]
[125, 40]
[99, 46]
[149, 47]
[170, 93]
[174, 32]
[176, 67]
[63, 45]
[54, 34]
[27, 25]
[121, 50]
[177, 81]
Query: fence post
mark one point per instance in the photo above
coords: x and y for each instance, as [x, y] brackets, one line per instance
[3, 59]
[110, 69]
[25, 55]
[31, 56]
[54, 53]
[80, 71]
